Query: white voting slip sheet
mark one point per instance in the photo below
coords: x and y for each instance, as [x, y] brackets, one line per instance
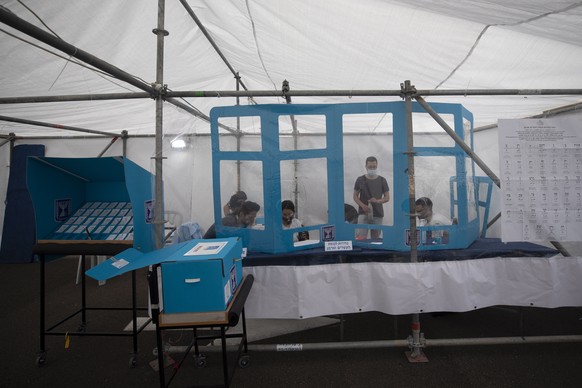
[206, 248]
[541, 179]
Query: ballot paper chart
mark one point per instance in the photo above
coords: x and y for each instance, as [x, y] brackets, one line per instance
[541, 179]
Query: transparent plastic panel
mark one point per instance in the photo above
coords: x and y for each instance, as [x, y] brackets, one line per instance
[249, 188]
[228, 129]
[467, 128]
[304, 198]
[304, 182]
[306, 125]
[471, 195]
[359, 185]
[433, 195]
[436, 136]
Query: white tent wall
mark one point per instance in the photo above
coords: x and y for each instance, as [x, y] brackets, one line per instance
[324, 45]
[187, 172]
[188, 192]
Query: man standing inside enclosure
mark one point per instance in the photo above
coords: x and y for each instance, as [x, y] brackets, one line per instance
[371, 191]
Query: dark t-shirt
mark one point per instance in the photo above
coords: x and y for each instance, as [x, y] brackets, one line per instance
[371, 188]
[228, 220]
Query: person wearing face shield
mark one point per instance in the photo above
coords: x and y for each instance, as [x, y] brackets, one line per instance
[290, 222]
[371, 191]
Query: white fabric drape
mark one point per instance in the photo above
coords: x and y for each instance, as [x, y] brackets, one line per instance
[294, 292]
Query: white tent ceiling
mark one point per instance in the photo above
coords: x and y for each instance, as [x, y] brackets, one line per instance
[315, 45]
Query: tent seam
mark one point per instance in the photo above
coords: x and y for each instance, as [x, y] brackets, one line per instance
[472, 49]
[257, 44]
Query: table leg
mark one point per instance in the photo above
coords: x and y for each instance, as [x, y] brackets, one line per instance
[41, 357]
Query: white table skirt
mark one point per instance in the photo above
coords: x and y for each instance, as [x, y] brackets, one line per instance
[294, 292]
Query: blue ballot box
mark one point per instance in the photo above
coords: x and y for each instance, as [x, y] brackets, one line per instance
[196, 275]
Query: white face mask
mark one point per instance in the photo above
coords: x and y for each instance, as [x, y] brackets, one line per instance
[371, 172]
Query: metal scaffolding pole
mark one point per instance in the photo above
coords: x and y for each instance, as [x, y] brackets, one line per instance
[416, 340]
[12, 20]
[58, 126]
[5, 141]
[74, 98]
[238, 135]
[295, 133]
[383, 344]
[301, 93]
[458, 140]
[212, 42]
[160, 87]
[108, 146]
[22, 25]
[124, 138]
[364, 93]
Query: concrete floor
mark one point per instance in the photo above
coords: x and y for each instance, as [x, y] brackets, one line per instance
[104, 361]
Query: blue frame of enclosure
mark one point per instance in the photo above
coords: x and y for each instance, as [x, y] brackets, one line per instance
[273, 239]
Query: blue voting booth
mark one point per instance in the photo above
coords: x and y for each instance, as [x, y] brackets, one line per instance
[108, 198]
[270, 237]
[90, 206]
[196, 275]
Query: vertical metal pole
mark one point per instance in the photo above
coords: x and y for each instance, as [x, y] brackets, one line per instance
[12, 144]
[295, 164]
[238, 135]
[83, 293]
[224, 356]
[244, 327]
[42, 307]
[160, 88]
[295, 134]
[124, 137]
[161, 354]
[134, 316]
[407, 90]
[415, 354]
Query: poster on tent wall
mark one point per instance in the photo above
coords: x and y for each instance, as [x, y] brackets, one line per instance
[541, 179]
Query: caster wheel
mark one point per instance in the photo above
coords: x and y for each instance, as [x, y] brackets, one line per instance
[40, 359]
[132, 361]
[244, 361]
[200, 361]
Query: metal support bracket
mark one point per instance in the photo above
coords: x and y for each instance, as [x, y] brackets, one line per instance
[157, 31]
[416, 355]
[407, 89]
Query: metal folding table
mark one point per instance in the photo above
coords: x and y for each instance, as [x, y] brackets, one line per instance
[44, 248]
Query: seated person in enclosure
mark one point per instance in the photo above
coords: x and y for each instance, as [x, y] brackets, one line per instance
[244, 218]
[235, 202]
[350, 214]
[427, 217]
[290, 222]
[371, 191]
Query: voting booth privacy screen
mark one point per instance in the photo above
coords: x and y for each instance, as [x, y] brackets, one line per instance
[276, 170]
[109, 198]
